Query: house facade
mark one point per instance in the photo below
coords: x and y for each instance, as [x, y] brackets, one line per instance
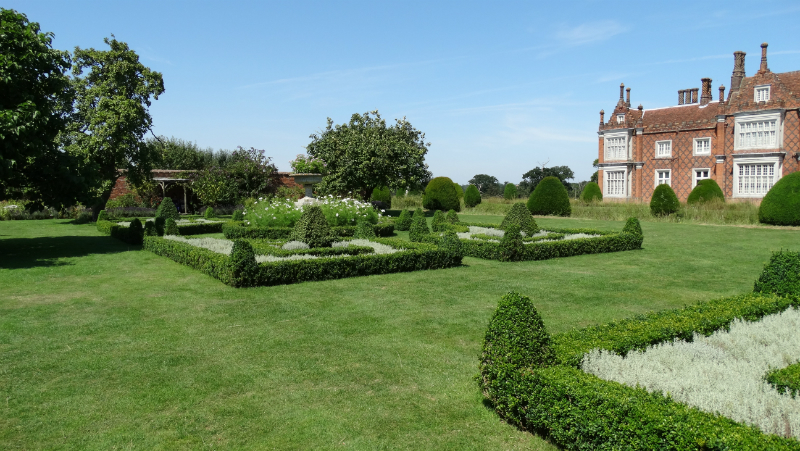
[745, 142]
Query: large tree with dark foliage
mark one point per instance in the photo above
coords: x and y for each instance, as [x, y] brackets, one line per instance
[365, 153]
[532, 178]
[488, 185]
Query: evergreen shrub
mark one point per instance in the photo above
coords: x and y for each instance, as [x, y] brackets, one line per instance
[150, 229]
[451, 244]
[633, 226]
[781, 275]
[440, 194]
[520, 216]
[403, 222]
[511, 245]
[312, 228]
[102, 216]
[472, 196]
[592, 193]
[550, 198]
[439, 222]
[160, 222]
[664, 201]
[419, 230]
[705, 191]
[238, 215]
[452, 217]
[135, 232]
[171, 227]
[381, 194]
[166, 209]
[510, 191]
[364, 230]
[209, 213]
[459, 190]
[781, 205]
[244, 268]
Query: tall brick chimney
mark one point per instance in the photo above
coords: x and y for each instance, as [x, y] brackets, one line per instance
[738, 71]
[681, 96]
[628, 97]
[602, 119]
[705, 97]
[721, 93]
[694, 94]
[763, 69]
[621, 101]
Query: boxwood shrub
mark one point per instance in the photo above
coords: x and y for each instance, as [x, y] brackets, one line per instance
[472, 196]
[781, 205]
[520, 216]
[592, 193]
[166, 209]
[440, 194]
[312, 228]
[171, 227]
[419, 227]
[550, 197]
[664, 201]
[403, 221]
[781, 275]
[439, 221]
[364, 230]
[706, 191]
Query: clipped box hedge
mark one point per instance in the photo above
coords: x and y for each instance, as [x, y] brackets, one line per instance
[234, 230]
[606, 242]
[117, 231]
[412, 257]
[580, 411]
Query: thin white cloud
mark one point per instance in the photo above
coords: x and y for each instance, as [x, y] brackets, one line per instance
[588, 33]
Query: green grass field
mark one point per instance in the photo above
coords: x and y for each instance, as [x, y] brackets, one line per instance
[103, 346]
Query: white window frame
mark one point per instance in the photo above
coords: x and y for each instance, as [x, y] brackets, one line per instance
[620, 118]
[745, 122]
[706, 139]
[626, 144]
[696, 179]
[668, 178]
[625, 182]
[776, 161]
[668, 142]
[761, 93]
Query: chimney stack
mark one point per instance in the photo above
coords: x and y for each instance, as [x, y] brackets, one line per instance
[738, 72]
[602, 120]
[705, 97]
[763, 69]
[694, 94]
[681, 95]
[721, 93]
[628, 94]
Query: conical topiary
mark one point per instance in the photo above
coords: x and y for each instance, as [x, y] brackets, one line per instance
[459, 190]
[452, 217]
[135, 232]
[705, 191]
[781, 205]
[472, 196]
[166, 209]
[150, 229]
[209, 213]
[781, 275]
[404, 221]
[633, 226]
[439, 222]
[451, 244]
[549, 198]
[364, 230]
[244, 268]
[511, 245]
[664, 201]
[515, 339]
[171, 227]
[591, 193]
[312, 228]
[520, 216]
[419, 227]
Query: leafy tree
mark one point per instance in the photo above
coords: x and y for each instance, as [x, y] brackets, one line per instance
[245, 173]
[486, 184]
[532, 178]
[111, 113]
[595, 164]
[365, 153]
[510, 191]
[174, 153]
[472, 196]
[35, 102]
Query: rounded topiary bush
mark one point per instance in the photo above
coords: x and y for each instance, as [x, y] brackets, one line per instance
[439, 222]
[364, 230]
[312, 228]
[135, 232]
[102, 216]
[705, 191]
[664, 201]
[472, 196]
[381, 194]
[781, 275]
[510, 191]
[209, 213]
[520, 216]
[591, 193]
[238, 215]
[166, 209]
[171, 227]
[440, 194]
[550, 198]
[515, 339]
[244, 268]
[511, 245]
[450, 243]
[633, 226]
[419, 227]
[159, 224]
[452, 217]
[459, 190]
[403, 222]
[150, 229]
[781, 205]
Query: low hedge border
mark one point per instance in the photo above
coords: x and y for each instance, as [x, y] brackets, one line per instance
[234, 230]
[117, 231]
[606, 242]
[412, 257]
[581, 411]
[200, 228]
[264, 248]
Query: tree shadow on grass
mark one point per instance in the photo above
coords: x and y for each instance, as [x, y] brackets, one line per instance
[17, 253]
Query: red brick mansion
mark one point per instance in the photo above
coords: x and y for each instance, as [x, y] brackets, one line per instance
[745, 142]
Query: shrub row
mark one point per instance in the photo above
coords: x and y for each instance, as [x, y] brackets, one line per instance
[119, 232]
[266, 249]
[607, 242]
[412, 257]
[199, 228]
[234, 230]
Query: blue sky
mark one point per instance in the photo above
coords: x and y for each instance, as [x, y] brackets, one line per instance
[497, 87]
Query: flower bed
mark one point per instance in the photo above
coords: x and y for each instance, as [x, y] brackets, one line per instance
[285, 213]
[235, 230]
[308, 266]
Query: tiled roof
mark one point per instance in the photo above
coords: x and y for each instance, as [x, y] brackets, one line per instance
[681, 117]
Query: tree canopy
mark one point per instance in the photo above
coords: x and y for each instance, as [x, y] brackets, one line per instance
[364, 154]
[487, 185]
[532, 178]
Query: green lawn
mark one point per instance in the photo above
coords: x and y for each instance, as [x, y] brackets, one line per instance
[103, 346]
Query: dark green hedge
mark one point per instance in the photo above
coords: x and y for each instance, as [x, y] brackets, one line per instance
[577, 410]
[233, 230]
[781, 205]
[199, 228]
[266, 249]
[119, 232]
[413, 257]
[781, 275]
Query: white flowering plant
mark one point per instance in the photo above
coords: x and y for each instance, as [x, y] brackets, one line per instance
[285, 213]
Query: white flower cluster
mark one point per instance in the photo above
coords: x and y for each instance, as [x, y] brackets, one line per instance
[723, 373]
[473, 230]
[377, 247]
[294, 245]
